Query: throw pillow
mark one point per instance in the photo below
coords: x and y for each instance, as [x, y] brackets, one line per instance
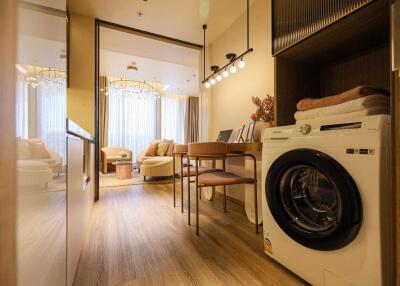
[162, 148]
[38, 150]
[152, 150]
[170, 149]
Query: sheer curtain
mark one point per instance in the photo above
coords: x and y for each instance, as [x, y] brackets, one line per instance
[132, 119]
[173, 115]
[51, 114]
[22, 109]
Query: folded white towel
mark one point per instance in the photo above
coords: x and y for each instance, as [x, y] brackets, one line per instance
[360, 113]
[359, 104]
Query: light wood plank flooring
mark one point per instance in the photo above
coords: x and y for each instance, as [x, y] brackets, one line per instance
[136, 237]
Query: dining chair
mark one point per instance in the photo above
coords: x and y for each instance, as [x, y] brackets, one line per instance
[181, 150]
[217, 151]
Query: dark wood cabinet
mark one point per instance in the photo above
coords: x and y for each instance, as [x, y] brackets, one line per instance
[348, 51]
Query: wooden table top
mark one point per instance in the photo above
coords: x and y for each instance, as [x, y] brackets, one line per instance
[244, 147]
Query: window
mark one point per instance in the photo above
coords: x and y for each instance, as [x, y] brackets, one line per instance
[41, 112]
[137, 115]
[173, 116]
[132, 119]
[22, 109]
[51, 115]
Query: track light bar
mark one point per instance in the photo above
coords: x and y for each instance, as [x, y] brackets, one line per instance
[228, 64]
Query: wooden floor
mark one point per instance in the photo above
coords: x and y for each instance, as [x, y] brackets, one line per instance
[136, 237]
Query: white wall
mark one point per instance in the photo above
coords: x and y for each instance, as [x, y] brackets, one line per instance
[231, 103]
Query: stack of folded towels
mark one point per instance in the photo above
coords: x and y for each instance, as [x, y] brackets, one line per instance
[359, 101]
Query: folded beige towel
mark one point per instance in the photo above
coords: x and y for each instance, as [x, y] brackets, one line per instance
[359, 104]
[357, 92]
[355, 114]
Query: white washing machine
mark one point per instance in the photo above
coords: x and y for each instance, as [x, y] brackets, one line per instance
[326, 200]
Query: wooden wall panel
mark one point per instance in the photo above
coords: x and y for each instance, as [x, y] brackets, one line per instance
[293, 81]
[80, 202]
[8, 10]
[371, 67]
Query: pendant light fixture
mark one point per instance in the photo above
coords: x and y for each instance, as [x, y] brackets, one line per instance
[218, 74]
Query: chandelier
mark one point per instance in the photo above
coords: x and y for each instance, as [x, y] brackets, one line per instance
[134, 87]
[234, 61]
[43, 77]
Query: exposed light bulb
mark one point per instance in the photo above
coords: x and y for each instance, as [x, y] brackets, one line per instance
[213, 81]
[207, 84]
[219, 77]
[233, 69]
[225, 73]
[242, 63]
[165, 88]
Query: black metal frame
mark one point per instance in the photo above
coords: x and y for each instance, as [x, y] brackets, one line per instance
[101, 23]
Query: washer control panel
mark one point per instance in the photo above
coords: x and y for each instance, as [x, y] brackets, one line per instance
[305, 129]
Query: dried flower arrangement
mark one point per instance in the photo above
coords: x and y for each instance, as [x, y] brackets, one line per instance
[265, 109]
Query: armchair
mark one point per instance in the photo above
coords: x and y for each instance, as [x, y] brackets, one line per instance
[113, 154]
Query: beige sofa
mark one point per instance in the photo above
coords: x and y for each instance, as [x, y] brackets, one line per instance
[156, 166]
[110, 155]
[35, 167]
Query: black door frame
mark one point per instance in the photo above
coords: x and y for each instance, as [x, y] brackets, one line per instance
[106, 24]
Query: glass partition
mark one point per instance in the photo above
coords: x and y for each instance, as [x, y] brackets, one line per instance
[41, 142]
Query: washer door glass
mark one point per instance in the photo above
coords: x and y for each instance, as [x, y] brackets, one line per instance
[313, 199]
[310, 199]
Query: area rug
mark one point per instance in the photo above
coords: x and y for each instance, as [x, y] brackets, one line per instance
[111, 180]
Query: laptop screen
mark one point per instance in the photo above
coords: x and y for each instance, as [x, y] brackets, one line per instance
[224, 135]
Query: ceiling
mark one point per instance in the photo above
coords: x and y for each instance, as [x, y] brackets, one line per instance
[41, 38]
[179, 19]
[127, 43]
[180, 79]
[157, 61]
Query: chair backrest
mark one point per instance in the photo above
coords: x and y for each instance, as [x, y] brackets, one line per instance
[208, 149]
[180, 149]
[116, 151]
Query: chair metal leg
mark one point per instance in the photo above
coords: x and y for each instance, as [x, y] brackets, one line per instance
[224, 198]
[224, 168]
[181, 177]
[255, 194]
[197, 197]
[174, 175]
[201, 189]
[188, 189]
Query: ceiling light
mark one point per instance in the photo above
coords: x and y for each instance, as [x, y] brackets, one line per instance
[132, 66]
[242, 63]
[232, 58]
[165, 88]
[207, 84]
[21, 68]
